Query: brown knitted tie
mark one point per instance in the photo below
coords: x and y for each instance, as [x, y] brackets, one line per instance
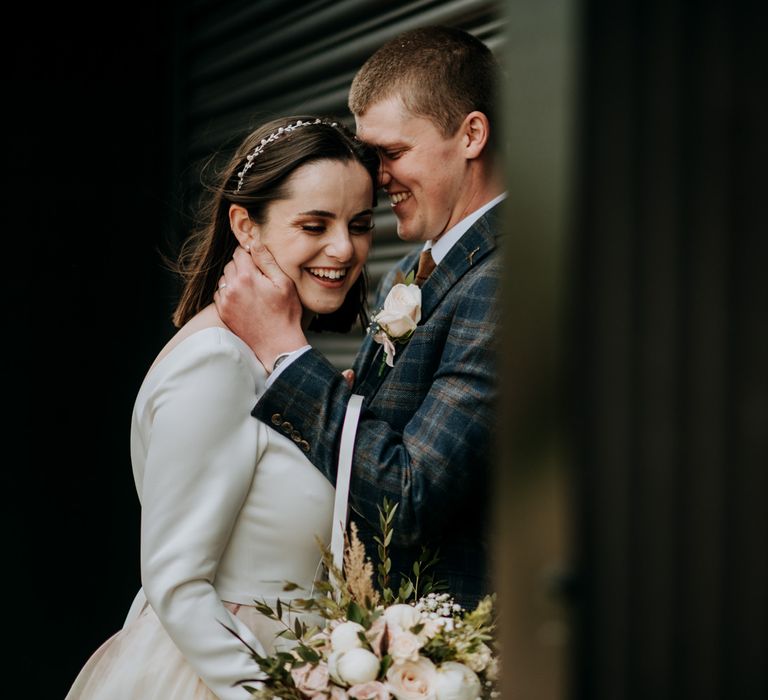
[426, 265]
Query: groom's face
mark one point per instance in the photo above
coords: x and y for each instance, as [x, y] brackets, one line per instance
[422, 171]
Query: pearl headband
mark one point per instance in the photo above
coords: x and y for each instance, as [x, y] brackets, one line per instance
[281, 131]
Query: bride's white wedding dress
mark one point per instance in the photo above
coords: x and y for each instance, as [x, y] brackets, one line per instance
[230, 511]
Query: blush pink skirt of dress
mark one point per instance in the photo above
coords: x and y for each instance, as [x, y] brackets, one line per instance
[141, 662]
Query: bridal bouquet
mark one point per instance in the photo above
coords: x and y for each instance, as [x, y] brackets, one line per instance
[375, 644]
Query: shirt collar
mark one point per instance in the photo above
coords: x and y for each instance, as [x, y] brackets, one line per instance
[442, 245]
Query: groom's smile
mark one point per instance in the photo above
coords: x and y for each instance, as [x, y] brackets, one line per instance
[396, 198]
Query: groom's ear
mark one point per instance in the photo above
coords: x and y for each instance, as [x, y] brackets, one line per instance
[475, 131]
[244, 228]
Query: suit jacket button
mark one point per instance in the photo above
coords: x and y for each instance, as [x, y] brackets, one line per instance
[276, 418]
[304, 445]
[296, 436]
[287, 427]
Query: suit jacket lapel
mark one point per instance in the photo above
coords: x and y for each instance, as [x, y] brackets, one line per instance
[477, 243]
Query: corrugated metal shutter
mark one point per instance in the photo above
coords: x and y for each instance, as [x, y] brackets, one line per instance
[244, 62]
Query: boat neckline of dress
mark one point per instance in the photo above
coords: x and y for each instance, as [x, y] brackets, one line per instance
[154, 368]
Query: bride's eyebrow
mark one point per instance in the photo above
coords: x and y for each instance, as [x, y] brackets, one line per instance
[318, 212]
[330, 215]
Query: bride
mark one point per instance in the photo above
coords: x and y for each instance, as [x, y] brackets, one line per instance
[230, 507]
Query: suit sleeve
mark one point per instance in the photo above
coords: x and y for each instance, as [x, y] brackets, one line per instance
[440, 457]
[200, 464]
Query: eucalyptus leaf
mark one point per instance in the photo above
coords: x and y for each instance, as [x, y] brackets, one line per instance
[307, 654]
[386, 662]
[391, 515]
[355, 612]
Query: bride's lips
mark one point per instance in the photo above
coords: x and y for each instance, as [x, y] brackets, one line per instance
[329, 277]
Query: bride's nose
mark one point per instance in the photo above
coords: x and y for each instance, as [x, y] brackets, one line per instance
[339, 245]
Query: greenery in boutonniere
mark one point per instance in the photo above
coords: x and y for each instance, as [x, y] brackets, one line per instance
[379, 643]
[395, 322]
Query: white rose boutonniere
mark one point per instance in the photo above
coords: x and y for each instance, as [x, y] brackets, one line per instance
[397, 319]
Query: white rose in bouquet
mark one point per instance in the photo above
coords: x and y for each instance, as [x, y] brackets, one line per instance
[479, 659]
[455, 681]
[311, 680]
[346, 636]
[338, 693]
[404, 646]
[353, 667]
[413, 680]
[402, 616]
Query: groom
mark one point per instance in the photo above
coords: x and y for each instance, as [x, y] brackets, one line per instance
[426, 100]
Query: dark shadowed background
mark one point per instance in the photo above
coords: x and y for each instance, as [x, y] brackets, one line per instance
[87, 155]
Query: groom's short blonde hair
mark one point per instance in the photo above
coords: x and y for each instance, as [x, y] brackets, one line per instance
[440, 73]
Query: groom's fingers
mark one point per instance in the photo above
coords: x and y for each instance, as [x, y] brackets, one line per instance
[234, 279]
[241, 262]
[251, 275]
[265, 263]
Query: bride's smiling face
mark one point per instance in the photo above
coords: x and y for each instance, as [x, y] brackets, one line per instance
[320, 235]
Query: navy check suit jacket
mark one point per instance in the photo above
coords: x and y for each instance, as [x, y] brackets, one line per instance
[425, 435]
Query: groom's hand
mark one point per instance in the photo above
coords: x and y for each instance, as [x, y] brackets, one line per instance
[259, 303]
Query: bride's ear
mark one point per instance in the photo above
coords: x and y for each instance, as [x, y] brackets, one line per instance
[242, 225]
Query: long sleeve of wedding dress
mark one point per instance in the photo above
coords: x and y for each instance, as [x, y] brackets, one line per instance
[201, 456]
[231, 511]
